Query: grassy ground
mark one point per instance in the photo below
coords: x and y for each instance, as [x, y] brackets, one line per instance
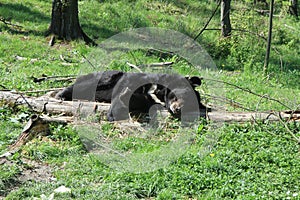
[236, 161]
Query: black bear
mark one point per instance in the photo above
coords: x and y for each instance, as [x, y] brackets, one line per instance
[136, 93]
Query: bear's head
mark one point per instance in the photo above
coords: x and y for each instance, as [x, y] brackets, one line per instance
[180, 97]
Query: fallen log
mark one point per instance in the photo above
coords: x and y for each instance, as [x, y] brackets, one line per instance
[48, 104]
[221, 116]
[77, 112]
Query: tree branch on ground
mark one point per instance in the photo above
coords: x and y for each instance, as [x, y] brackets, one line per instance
[76, 109]
[134, 67]
[282, 121]
[159, 64]
[7, 22]
[55, 78]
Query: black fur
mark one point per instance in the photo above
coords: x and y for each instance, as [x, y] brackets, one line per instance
[137, 92]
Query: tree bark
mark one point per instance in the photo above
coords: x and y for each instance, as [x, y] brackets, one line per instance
[225, 18]
[65, 22]
[267, 57]
[83, 109]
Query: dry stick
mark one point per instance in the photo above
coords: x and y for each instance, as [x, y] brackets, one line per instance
[293, 112]
[255, 121]
[30, 107]
[231, 102]
[5, 88]
[63, 59]
[52, 41]
[250, 91]
[158, 64]
[261, 11]
[2, 19]
[213, 14]
[39, 91]
[288, 129]
[134, 67]
[91, 64]
[260, 100]
[149, 65]
[57, 78]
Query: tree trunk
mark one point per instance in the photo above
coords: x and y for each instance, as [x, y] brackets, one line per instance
[293, 8]
[267, 57]
[225, 18]
[65, 21]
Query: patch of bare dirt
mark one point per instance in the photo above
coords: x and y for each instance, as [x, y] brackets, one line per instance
[30, 170]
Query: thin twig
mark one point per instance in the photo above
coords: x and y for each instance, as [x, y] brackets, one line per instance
[91, 64]
[250, 91]
[294, 137]
[213, 14]
[231, 102]
[288, 129]
[30, 107]
[285, 136]
[260, 100]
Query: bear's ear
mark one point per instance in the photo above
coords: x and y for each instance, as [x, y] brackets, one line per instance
[195, 81]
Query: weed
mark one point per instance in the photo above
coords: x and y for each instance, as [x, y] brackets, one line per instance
[236, 161]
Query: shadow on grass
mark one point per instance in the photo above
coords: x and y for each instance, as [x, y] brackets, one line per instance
[97, 32]
[22, 13]
[26, 32]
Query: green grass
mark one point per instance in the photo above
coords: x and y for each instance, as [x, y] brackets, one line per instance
[237, 161]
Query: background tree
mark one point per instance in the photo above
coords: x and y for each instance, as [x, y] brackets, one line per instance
[267, 57]
[293, 8]
[65, 22]
[225, 18]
